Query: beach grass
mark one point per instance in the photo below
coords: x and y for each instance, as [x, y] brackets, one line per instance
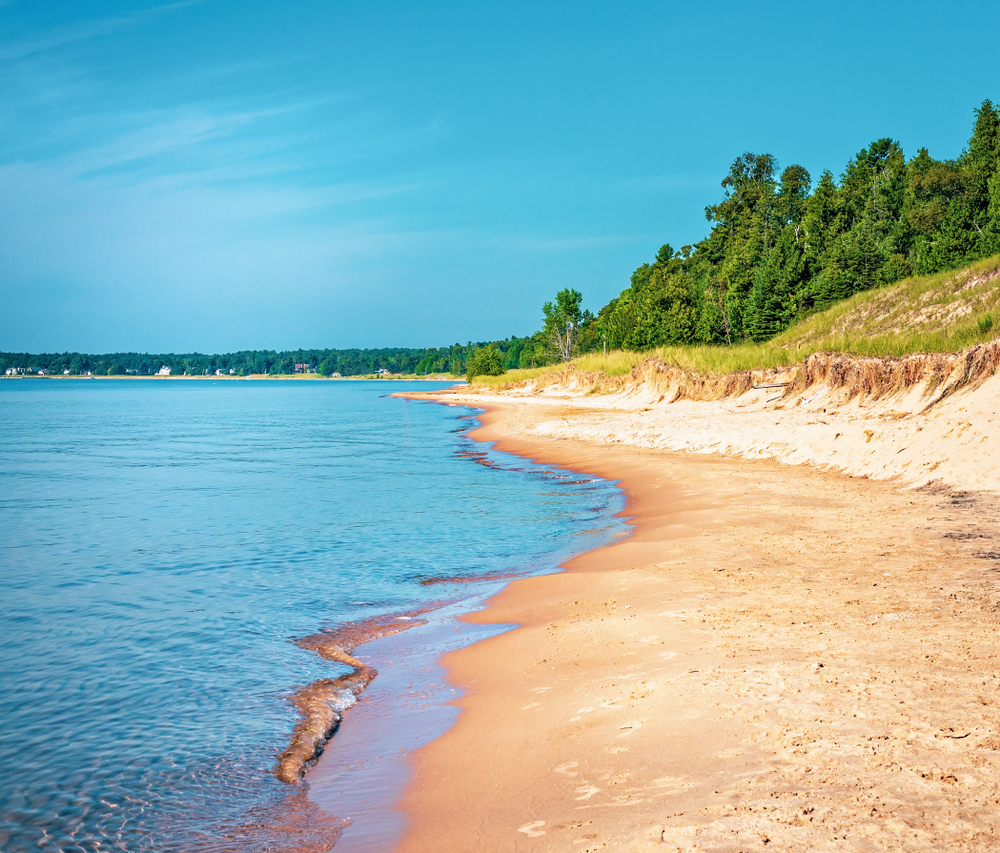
[945, 312]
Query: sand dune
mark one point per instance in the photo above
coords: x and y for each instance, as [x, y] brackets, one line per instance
[921, 434]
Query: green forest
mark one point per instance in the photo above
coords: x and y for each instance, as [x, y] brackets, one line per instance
[326, 362]
[780, 247]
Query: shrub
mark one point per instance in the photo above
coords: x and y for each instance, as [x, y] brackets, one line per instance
[485, 361]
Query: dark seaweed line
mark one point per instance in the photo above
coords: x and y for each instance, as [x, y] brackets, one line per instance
[322, 704]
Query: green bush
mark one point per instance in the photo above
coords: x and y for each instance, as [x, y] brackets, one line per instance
[485, 361]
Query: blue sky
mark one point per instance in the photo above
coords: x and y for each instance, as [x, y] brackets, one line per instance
[216, 175]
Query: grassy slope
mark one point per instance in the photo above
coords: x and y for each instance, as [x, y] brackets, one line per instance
[939, 313]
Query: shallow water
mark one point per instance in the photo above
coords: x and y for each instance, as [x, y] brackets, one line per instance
[165, 542]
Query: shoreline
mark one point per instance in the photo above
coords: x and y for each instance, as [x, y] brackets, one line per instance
[395, 697]
[364, 768]
[778, 656]
[392, 377]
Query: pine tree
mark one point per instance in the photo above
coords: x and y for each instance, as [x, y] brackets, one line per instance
[772, 304]
[669, 309]
[823, 218]
[982, 157]
[993, 218]
[745, 222]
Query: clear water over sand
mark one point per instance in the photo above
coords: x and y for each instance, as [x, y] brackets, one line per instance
[164, 542]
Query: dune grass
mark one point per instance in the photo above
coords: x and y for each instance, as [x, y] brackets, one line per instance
[945, 312]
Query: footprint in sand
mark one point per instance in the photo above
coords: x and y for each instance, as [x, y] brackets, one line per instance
[673, 784]
[731, 753]
[533, 829]
[628, 728]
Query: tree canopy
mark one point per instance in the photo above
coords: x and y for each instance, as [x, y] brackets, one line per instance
[563, 319]
[484, 361]
[780, 248]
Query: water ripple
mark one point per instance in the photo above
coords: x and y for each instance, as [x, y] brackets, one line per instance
[164, 543]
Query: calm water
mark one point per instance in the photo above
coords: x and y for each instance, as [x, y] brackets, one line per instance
[163, 542]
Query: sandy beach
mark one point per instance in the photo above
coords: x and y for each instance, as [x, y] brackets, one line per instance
[782, 656]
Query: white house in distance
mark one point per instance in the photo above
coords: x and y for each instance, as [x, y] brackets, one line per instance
[163, 371]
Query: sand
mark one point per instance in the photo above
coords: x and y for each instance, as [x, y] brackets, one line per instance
[780, 657]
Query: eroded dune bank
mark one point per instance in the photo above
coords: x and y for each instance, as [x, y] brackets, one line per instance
[917, 419]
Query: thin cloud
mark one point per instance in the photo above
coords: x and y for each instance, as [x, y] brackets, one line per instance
[86, 31]
[277, 135]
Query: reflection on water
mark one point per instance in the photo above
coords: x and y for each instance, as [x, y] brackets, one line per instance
[164, 545]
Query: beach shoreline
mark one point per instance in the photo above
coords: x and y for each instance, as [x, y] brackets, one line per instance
[298, 377]
[396, 696]
[780, 657]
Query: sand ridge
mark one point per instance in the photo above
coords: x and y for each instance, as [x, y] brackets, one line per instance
[911, 436]
[780, 657]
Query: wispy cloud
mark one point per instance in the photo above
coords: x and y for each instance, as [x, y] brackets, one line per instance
[135, 189]
[85, 31]
[286, 137]
[192, 147]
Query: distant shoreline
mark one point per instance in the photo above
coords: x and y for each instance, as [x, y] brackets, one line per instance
[393, 377]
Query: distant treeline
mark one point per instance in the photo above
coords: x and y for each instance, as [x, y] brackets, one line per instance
[780, 248]
[346, 362]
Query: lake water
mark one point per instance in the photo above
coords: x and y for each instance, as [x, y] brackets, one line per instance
[162, 545]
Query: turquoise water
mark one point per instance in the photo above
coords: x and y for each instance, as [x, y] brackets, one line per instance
[165, 542]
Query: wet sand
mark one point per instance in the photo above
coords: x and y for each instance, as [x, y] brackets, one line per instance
[778, 658]
[363, 770]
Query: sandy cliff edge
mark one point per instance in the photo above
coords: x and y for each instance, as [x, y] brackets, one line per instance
[917, 419]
